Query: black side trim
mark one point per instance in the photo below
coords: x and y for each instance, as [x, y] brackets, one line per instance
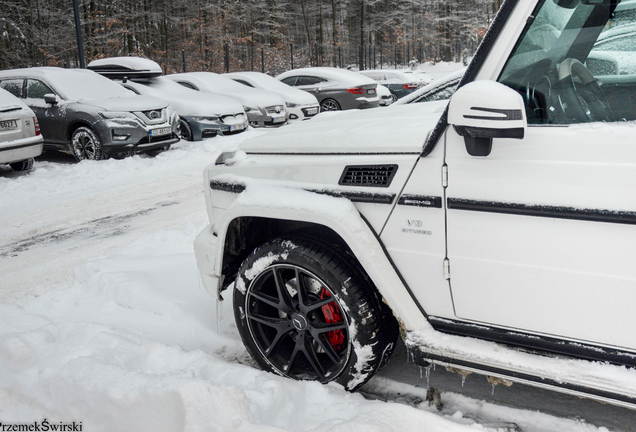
[480, 132]
[509, 114]
[505, 11]
[593, 215]
[421, 358]
[19, 146]
[542, 343]
[362, 197]
[421, 201]
[226, 186]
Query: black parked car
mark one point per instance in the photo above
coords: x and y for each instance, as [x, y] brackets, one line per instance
[89, 116]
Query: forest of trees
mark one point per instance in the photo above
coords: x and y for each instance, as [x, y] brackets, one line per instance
[323, 32]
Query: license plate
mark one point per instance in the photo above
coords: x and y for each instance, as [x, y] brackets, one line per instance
[371, 91]
[8, 125]
[237, 127]
[160, 131]
[312, 111]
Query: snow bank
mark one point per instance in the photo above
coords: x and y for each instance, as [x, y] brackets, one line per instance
[134, 345]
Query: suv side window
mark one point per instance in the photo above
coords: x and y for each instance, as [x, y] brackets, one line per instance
[308, 80]
[13, 86]
[188, 85]
[290, 81]
[36, 89]
[575, 64]
[243, 82]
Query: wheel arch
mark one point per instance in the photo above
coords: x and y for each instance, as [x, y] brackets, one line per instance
[221, 250]
[74, 125]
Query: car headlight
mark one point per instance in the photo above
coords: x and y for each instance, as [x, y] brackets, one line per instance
[291, 105]
[112, 115]
[206, 118]
[250, 109]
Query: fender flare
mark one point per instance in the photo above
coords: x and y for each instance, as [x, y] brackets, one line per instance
[338, 214]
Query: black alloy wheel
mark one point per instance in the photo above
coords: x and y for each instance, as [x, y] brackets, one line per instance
[85, 144]
[329, 105]
[184, 131]
[310, 315]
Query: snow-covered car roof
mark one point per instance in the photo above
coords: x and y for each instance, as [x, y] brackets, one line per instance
[389, 76]
[266, 82]
[342, 76]
[438, 83]
[184, 100]
[116, 67]
[73, 84]
[364, 131]
[218, 84]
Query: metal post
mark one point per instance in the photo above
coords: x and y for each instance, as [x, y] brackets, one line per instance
[262, 60]
[78, 31]
[395, 55]
[183, 60]
[380, 55]
[316, 50]
[360, 55]
[374, 57]
[339, 57]
[291, 49]
[420, 52]
[408, 53]
[369, 57]
[227, 58]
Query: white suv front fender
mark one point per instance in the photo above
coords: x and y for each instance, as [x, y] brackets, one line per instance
[338, 214]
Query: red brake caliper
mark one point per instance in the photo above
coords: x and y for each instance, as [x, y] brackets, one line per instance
[332, 314]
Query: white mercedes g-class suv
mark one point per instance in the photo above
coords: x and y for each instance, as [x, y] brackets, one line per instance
[495, 233]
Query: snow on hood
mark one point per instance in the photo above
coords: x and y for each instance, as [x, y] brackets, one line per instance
[132, 103]
[186, 101]
[266, 82]
[215, 83]
[401, 130]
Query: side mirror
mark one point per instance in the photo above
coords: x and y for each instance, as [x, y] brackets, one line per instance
[483, 110]
[50, 98]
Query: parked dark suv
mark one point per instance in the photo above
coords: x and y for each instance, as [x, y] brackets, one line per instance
[89, 116]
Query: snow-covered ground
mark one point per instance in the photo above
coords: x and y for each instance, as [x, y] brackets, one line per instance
[103, 319]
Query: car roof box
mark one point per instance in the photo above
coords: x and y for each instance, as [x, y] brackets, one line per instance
[131, 67]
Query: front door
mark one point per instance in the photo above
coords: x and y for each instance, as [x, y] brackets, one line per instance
[541, 232]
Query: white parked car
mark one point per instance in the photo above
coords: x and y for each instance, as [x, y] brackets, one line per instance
[201, 115]
[300, 104]
[385, 95]
[263, 108]
[439, 89]
[20, 138]
[496, 232]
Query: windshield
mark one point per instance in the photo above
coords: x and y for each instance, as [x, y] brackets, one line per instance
[78, 85]
[554, 66]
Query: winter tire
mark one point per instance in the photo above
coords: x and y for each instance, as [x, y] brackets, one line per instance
[86, 144]
[394, 97]
[24, 165]
[329, 105]
[185, 133]
[305, 312]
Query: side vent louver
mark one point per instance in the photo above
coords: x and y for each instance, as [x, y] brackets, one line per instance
[368, 175]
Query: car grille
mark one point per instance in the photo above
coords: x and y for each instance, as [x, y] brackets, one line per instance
[153, 116]
[233, 118]
[368, 175]
[275, 109]
[146, 139]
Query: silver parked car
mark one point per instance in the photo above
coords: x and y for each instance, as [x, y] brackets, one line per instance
[89, 116]
[20, 138]
[201, 115]
[335, 89]
[263, 108]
